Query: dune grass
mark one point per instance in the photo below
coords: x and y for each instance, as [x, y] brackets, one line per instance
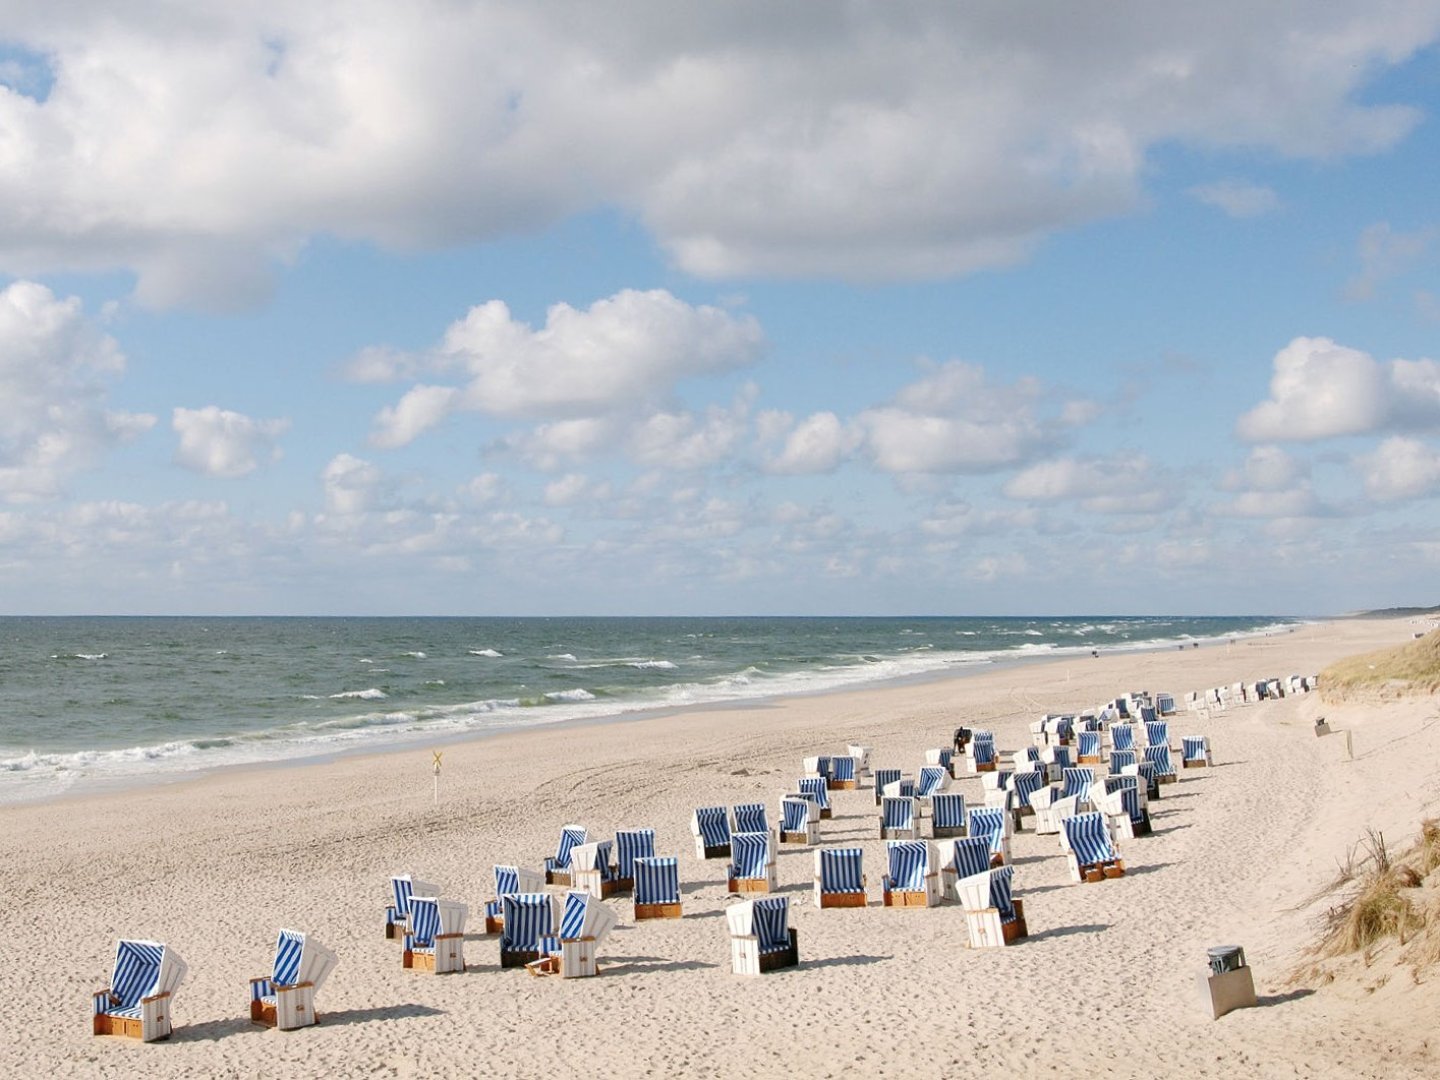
[1410, 668]
[1392, 901]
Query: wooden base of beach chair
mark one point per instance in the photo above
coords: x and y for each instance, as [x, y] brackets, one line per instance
[986, 766]
[1170, 779]
[1088, 759]
[907, 898]
[842, 899]
[1198, 763]
[1092, 872]
[448, 956]
[746, 958]
[826, 813]
[843, 785]
[513, 958]
[657, 911]
[899, 834]
[986, 931]
[946, 832]
[125, 1026]
[494, 924]
[749, 885]
[1018, 929]
[716, 851]
[575, 960]
[557, 877]
[1141, 827]
[294, 1008]
[624, 885]
[799, 836]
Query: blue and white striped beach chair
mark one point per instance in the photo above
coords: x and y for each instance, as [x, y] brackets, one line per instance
[761, 937]
[1025, 784]
[840, 877]
[1092, 853]
[435, 939]
[529, 920]
[402, 887]
[942, 756]
[861, 754]
[1195, 751]
[508, 881]
[557, 866]
[657, 887]
[142, 988]
[899, 819]
[798, 820]
[991, 823]
[914, 877]
[844, 774]
[967, 856]
[1087, 748]
[947, 815]
[1157, 733]
[711, 826]
[1076, 781]
[993, 917]
[883, 778]
[980, 754]
[1159, 757]
[592, 870]
[572, 952]
[1124, 807]
[932, 778]
[285, 998]
[752, 866]
[1119, 759]
[749, 817]
[816, 767]
[631, 844]
[818, 787]
[1122, 736]
[1056, 760]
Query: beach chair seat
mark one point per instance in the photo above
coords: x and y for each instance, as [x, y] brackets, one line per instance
[883, 779]
[899, 818]
[964, 857]
[819, 787]
[631, 844]
[993, 917]
[508, 881]
[1077, 781]
[1195, 752]
[435, 939]
[749, 817]
[752, 868]
[591, 869]
[1119, 759]
[572, 952]
[844, 775]
[914, 877]
[947, 815]
[1092, 853]
[285, 998]
[799, 821]
[761, 937]
[861, 754]
[1158, 756]
[980, 754]
[1122, 736]
[1087, 748]
[1124, 808]
[1025, 784]
[993, 823]
[932, 778]
[397, 914]
[530, 918]
[657, 887]
[711, 826]
[137, 1003]
[839, 877]
[557, 866]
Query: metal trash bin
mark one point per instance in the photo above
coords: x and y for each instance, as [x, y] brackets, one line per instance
[1225, 958]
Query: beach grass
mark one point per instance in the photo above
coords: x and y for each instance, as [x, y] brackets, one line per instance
[1412, 668]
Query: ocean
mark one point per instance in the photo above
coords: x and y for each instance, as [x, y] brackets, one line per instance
[98, 701]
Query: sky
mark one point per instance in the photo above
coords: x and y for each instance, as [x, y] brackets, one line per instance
[649, 308]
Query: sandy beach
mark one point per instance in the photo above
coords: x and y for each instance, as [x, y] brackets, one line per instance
[1104, 985]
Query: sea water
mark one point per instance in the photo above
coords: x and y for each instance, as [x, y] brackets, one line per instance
[95, 700]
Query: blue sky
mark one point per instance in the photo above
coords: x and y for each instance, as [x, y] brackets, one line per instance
[676, 308]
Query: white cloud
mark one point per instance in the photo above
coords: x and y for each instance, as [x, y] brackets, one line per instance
[683, 441]
[1267, 468]
[818, 444]
[573, 488]
[851, 140]
[1115, 485]
[219, 442]
[1322, 390]
[1237, 198]
[1400, 468]
[1296, 502]
[1384, 254]
[54, 370]
[351, 485]
[623, 354]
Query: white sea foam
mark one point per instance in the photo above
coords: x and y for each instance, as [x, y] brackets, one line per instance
[570, 695]
[646, 665]
[371, 694]
[492, 653]
[417, 654]
[563, 656]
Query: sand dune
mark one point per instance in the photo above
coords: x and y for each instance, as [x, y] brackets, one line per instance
[1103, 986]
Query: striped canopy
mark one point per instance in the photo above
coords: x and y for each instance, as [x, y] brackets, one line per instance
[948, 810]
[842, 869]
[632, 844]
[657, 880]
[909, 863]
[1088, 838]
